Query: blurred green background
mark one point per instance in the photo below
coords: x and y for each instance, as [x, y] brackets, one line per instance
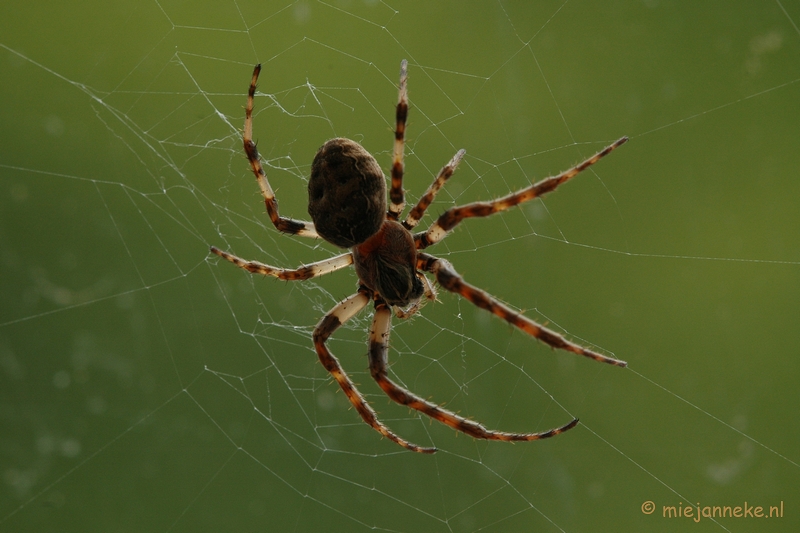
[148, 386]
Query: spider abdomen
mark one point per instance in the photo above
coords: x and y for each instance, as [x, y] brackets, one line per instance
[386, 264]
[346, 193]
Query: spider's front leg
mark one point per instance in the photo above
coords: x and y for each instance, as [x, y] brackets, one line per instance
[378, 359]
[448, 278]
[340, 314]
[286, 225]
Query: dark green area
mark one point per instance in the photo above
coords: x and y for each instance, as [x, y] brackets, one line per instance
[145, 385]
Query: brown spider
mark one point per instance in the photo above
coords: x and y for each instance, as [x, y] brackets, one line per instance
[347, 202]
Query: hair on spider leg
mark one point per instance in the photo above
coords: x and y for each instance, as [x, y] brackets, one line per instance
[347, 202]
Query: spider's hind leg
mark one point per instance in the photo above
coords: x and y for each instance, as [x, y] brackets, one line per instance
[396, 194]
[283, 224]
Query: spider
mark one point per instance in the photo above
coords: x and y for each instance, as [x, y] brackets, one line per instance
[347, 203]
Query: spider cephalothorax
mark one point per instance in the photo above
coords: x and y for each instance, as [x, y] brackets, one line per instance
[386, 263]
[347, 202]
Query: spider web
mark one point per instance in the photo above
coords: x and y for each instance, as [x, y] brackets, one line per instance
[149, 386]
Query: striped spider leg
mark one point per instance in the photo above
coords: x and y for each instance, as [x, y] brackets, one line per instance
[340, 314]
[413, 219]
[444, 174]
[396, 194]
[302, 273]
[450, 280]
[337, 316]
[378, 360]
[283, 224]
[453, 216]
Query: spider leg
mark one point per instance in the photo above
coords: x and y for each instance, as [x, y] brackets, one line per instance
[453, 216]
[340, 314]
[416, 214]
[453, 282]
[286, 225]
[312, 270]
[378, 349]
[396, 195]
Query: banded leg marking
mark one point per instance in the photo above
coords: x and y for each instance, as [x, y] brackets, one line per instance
[378, 358]
[453, 282]
[283, 224]
[418, 211]
[453, 216]
[396, 194]
[312, 270]
[340, 314]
